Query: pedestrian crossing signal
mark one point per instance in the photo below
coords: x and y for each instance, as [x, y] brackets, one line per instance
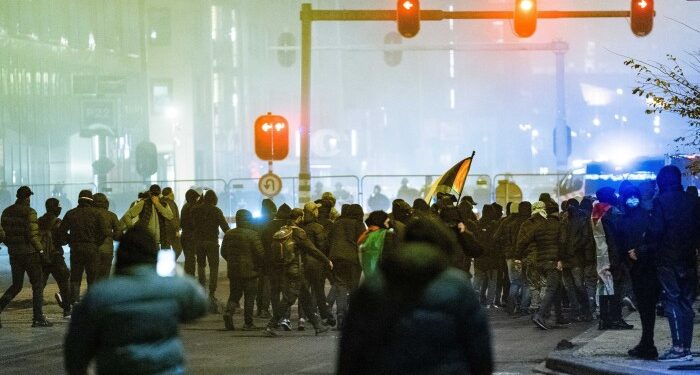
[525, 18]
[408, 17]
[642, 17]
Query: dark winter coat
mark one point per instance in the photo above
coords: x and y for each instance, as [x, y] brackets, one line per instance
[544, 234]
[129, 323]
[172, 226]
[635, 234]
[207, 219]
[492, 253]
[114, 226]
[21, 228]
[510, 232]
[611, 222]
[186, 222]
[242, 249]
[577, 247]
[675, 220]
[84, 225]
[343, 239]
[416, 316]
[49, 222]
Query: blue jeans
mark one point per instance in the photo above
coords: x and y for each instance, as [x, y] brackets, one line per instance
[519, 291]
[679, 286]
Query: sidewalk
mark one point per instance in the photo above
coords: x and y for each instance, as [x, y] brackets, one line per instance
[605, 352]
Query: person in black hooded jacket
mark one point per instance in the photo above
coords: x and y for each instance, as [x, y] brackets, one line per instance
[675, 219]
[270, 268]
[417, 315]
[187, 236]
[268, 210]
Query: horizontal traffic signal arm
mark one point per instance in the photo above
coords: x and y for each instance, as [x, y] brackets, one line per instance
[440, 15]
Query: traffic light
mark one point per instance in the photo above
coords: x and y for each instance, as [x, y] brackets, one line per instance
[642, 17]
[271, 137]
[408, 17]
[525, 18]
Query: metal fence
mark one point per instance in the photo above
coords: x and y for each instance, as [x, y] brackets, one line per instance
[531, 185]
[66, 193]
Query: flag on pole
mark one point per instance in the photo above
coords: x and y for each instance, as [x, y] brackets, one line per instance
[452, 182]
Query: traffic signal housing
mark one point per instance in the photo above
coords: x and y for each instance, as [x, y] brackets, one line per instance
[271, 137]
[525, 18]
[642, 17]
[408, 17]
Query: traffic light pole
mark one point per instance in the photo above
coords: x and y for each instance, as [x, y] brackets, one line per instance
[309, 15]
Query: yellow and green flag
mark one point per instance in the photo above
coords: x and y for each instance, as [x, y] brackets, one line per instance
[453, 181]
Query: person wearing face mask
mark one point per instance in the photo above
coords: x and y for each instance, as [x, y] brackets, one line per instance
[636, 243]
[49, 230]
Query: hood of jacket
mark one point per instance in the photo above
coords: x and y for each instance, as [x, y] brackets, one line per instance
[414, 265]
[100, 201]
[283, 212]
[191, 196]
[244, 219]
[211, 198]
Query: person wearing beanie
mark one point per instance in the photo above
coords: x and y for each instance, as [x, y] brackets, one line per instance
[187, 235]
[315, 271]
[130, 321]
[49, 231]
[85, 230]
[208, 221]
[605, 220]
[115, 229]
[270, 267]
[26, 253]
[675, 219]
[293, 247]
[243, 252]
[541, 237]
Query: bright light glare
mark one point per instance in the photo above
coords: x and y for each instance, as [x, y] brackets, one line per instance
[527, 5]
[266, 127]
[408, 5]
[279, 126]
[171, 112]
[596, 122]
[256, 214]
[642, 3]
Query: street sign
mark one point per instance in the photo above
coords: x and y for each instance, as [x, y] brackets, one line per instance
[270, 184]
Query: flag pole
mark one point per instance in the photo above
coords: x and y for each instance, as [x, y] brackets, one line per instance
[471, 161]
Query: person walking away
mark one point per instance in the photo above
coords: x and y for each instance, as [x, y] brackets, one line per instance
[208, 219]
[635, 241]
[172, 226]
[376, 240]
[187, 226]
[575, 241]
[115, 228]
[268, 210]
[315, 271]
[270, 266]
[605, 221]
[128, 323]
[519, 291]
[85, 230]
[402, 311]
[675, 219]
[243, 252]
[486, 266]
[21, 236]
[51, 239]
[343, 253]
[152, 213]
[292, 244]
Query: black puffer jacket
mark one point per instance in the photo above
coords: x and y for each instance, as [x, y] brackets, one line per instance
[416, 316]
[316, 233]
[186, 222]
[544, 234]
[21, 229]
[510, 234]
[49, 222]
[344, 235]
[634, 234]
[492, 254]
[207, 219]
[242, 248]
[281, 219]
[676, 217]
[84, 225]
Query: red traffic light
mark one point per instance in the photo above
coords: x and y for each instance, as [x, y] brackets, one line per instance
[271, 137]
[408, 17]
[525, 18]
[642, 17]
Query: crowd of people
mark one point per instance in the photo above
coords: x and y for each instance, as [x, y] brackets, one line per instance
[397, 279]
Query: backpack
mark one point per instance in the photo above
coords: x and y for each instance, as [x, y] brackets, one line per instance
[284, 246]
